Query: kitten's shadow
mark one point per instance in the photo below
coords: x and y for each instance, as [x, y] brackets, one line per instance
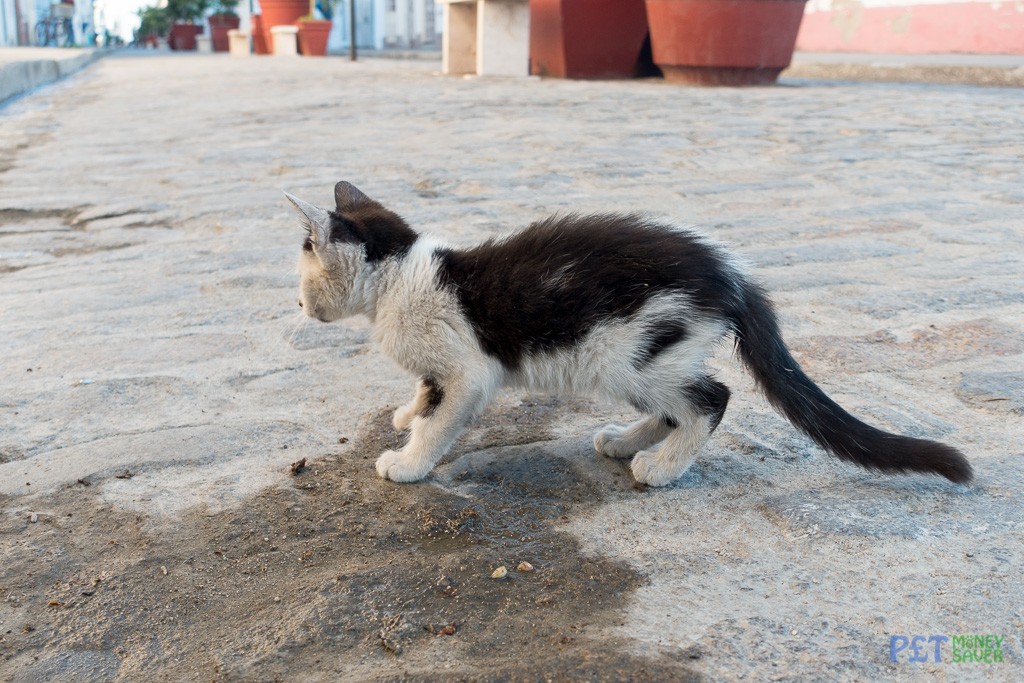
[560, 468]
[571, 469]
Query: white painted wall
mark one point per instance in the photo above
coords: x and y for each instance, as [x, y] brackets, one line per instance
[84, 22]
[8, 24]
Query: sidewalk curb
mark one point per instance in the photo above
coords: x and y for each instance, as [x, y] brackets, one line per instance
[19, 77]
[951, 74]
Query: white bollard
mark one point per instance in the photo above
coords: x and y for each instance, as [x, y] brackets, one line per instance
[486, 37]
[503, 38]
[238, 43]
[458, 46]
[286, 40]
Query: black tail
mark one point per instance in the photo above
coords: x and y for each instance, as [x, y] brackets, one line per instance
[800, 400]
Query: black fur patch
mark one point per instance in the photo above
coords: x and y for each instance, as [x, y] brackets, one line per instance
[709, 397]
[383, 233]
[435, 394]
[547, 286]
[661, 336]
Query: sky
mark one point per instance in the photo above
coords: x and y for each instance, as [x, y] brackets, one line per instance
[120, 15]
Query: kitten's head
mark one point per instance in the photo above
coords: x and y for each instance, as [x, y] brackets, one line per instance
[343, 250]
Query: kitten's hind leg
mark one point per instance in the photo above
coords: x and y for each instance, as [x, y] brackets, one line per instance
[449, 407]
[624, 442]
[700, 414]
[424, 394]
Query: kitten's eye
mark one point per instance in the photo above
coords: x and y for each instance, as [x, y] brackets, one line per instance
[300, 303]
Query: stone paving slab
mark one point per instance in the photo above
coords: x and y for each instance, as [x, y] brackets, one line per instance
[157, 382]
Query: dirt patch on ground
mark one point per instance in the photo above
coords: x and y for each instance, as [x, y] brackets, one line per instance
[340, 575]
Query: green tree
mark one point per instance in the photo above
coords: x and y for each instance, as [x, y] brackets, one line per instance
[186, 11]
[153, 21]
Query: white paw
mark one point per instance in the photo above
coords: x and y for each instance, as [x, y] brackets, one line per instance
[398, 467]
[403, 417]
[607, 442]
[649, 469]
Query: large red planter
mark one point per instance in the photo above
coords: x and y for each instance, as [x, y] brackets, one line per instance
[281, 13]
[259, 40]
[220, 24]
[313, 35]
[183, 36]
[723, 42]
[586, 38]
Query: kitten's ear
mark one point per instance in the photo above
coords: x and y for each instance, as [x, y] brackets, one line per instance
[347, 195]
[316, 220]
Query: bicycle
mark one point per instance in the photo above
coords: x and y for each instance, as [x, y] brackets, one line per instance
[56, 29]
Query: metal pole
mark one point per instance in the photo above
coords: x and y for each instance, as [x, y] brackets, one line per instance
[352, 30]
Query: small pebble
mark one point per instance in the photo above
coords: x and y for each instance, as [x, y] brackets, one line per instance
[163, 570]
[499, 573]
[525, 566]
[33, 517]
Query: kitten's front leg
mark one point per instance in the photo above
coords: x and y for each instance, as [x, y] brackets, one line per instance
[447, 408]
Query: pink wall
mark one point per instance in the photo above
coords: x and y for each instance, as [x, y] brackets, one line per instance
[971, 27]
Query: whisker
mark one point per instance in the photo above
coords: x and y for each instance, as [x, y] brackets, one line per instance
[299, 325]
[287, 336]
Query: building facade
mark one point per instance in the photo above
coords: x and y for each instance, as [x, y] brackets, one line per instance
[388, 24]
[18, 19]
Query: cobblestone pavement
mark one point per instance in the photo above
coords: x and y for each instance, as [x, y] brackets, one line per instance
[156, 383]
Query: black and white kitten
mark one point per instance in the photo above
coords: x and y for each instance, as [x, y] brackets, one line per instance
[616, 307]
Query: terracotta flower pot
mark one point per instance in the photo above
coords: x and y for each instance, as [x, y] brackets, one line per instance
[259, 39]
[183, 36]
[586, 38]
[313, 35]
[281, 13]
[723, 42]
[220, 24]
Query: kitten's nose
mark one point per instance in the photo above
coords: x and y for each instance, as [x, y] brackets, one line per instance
[300, 303]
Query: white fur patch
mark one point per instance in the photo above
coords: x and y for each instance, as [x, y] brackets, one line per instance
[603, 364]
